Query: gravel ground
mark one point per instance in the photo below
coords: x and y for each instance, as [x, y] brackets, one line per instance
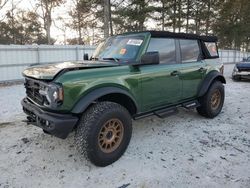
[184, 150]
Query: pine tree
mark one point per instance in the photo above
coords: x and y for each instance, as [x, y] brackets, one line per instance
[162, 13]
[81, 18]
[25, 28]
[233, 24]
[132, 15]
[47, 7]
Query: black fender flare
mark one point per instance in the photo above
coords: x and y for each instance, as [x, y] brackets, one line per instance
[208, 80]
[86, 100]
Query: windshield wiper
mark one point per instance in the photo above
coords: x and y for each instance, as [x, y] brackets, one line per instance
[111, 58]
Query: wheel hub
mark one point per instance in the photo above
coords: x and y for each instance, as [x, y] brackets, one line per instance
[215, 99]
[110, 135]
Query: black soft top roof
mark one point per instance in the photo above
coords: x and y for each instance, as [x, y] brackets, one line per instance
[167, 34]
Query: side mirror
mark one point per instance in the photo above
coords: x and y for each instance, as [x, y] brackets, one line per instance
[86, 56]
[244, 59]
[150, 58]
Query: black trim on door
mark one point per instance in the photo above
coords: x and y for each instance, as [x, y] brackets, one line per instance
[178, 51]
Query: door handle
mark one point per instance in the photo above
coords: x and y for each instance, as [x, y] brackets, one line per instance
[202, 69]
[175, 73]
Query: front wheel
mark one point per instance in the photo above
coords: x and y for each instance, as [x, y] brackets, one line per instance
[104, 132]
[212, 102]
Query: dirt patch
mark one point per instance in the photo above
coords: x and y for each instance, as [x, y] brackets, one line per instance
[4, 124]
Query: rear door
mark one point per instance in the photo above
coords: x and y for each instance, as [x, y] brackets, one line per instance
[193, 68]
[160, 83]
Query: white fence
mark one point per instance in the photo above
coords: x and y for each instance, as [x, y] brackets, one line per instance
[232, 56]
[15, 58]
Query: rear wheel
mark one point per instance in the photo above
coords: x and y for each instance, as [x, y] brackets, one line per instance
[104, 132]
[212, 102]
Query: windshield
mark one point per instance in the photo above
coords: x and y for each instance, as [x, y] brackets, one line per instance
[119, 48]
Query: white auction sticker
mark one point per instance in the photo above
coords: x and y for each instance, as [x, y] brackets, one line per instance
[135, 42]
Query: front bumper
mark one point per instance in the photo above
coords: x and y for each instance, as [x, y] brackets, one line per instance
[242, 74]
[59, 125]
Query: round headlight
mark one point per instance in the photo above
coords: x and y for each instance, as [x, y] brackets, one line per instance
[56, 92]
[55, 95]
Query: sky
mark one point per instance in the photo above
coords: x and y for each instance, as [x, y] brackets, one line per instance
[58, 30]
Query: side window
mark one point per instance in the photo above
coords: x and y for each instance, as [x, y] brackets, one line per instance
[212, 49]
[190, 50]
[165, 47]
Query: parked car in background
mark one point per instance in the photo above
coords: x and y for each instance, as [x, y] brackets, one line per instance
[242, 70]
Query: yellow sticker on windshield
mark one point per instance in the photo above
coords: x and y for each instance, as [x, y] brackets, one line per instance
[123, 51]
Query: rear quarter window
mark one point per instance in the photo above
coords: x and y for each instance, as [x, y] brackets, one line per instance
[212, 49]
[190, 50]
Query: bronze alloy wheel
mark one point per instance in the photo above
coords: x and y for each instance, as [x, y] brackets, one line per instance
[212, 102]
[110, 135]
[104, 132]
[215, 99]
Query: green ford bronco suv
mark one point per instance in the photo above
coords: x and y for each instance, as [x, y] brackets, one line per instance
[129, 76]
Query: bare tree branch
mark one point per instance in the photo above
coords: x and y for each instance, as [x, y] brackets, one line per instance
[3, 3]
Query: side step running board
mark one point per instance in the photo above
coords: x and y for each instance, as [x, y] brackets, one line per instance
[191, 104]
[166, 112]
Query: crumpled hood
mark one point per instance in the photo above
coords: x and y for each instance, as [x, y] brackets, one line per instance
[49, 72]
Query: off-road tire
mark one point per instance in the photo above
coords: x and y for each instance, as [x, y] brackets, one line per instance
[91, 124]
[208, 108]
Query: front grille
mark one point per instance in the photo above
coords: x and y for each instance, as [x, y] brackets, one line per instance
[245, 69]
[32, 91]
